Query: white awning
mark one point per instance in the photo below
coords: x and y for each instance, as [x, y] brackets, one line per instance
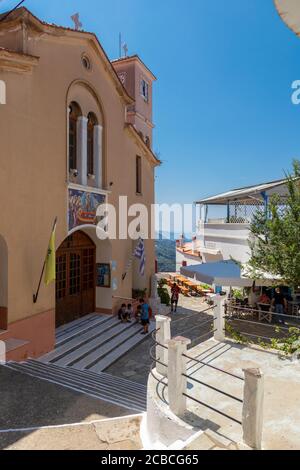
[225, 274]
[246, 194]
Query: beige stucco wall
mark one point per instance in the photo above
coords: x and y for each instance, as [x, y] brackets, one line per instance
[33, 162]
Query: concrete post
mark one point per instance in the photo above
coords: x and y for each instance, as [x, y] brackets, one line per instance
[163, 335]
[219, 314]
[177, 384]
[253, 408]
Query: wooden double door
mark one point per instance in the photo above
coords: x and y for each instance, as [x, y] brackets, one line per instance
[75, 278]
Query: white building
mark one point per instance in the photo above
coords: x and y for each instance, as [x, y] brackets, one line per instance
[223, 229]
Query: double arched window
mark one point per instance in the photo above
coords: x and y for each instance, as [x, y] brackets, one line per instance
[85, 147]
[74, 113]
[92, 122]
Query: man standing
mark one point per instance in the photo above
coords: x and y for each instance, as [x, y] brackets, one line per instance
[145, 316]
[174, 297]
[280, 304]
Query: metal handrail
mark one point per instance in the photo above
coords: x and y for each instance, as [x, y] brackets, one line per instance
[228, 318]
[193, 315]
[212, 408]
[255, 336]
[156, 343]
[160, 381]
[199, 325]
[213, 388]
[158, 361]
[213, 367]
[253, 310]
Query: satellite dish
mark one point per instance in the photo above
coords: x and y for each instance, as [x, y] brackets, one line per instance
[289, 11]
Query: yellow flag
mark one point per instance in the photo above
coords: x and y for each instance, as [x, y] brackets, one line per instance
[50, 269]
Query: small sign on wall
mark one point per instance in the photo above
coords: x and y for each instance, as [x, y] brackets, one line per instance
[115, 284]
[103, 275]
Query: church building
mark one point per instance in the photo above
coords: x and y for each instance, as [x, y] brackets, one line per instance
[75, 133]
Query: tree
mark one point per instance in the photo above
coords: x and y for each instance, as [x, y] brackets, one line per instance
[275, 241]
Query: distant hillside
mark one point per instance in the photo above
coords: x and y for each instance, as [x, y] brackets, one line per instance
[166, 255]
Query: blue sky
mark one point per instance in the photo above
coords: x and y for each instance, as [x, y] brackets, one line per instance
[222, 109]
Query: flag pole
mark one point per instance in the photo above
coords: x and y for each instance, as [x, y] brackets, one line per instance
[36, 295]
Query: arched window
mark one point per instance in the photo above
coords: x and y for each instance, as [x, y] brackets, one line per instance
[92, 122]
[75, 112]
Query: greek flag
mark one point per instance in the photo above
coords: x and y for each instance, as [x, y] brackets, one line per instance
[139, 253]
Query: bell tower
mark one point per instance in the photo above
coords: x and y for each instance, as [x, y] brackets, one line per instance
[138, 81]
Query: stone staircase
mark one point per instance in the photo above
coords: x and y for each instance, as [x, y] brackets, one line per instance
[84, 349]
[102, 386]
[94, 343]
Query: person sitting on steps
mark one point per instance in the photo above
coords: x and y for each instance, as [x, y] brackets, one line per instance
[123, 314]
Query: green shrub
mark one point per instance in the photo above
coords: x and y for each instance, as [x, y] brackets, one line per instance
[162, 282]
[139, 294]
[164, 295]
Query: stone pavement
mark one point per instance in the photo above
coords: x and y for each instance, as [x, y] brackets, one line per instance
[136, 364]
[118, 434]
[26, 402]
[282, 392]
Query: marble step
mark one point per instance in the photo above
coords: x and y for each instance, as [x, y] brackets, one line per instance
[108, 390]
[113, 345]
[86, 373]
[78, 341]
[89, 347]
[81, 329]
[115, 354]
[69, 326]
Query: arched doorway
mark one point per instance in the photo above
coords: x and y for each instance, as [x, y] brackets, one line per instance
[75, 278]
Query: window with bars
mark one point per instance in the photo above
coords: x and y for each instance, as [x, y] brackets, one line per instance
[75, 267]
[88, 276]
[61, 276]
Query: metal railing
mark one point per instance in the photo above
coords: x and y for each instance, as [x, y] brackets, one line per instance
[237, 313]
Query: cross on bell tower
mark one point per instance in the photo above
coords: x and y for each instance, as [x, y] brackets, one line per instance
[125, 49]
[76, 20]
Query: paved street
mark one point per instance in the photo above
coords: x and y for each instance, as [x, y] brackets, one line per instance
[135, 365]
[27, 402]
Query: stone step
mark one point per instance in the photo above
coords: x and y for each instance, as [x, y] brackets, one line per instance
[69, 326]
[108, 390]
[115, 354]
[122, 388]
[98, 343]
[81, 328]
[92, 375]
[12, 344]
[113, 345]
[78, 341]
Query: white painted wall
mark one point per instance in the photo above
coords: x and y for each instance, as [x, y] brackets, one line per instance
[232, 240]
